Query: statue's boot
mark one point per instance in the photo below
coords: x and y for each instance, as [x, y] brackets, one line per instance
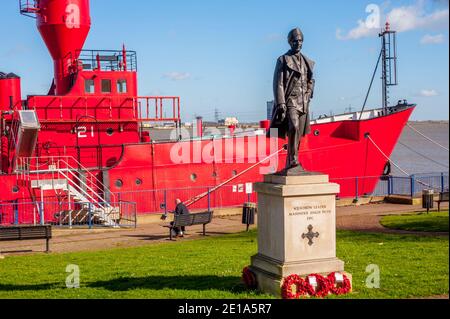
[294, 169]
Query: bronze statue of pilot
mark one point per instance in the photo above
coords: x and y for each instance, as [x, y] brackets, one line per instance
[293, 91]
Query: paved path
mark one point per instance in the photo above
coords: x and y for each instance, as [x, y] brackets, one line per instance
[65, 240]
[358, 218]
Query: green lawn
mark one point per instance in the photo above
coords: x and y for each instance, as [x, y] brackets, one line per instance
[432, 222]
[411, 266]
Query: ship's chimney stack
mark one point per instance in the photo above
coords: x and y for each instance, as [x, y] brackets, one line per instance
[64, 26]
[199, 126]
[10, 92]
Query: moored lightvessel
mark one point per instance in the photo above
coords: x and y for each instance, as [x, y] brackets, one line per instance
[84, 143]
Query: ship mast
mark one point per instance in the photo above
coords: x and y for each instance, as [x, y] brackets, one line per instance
[388, 56]
[389, 62]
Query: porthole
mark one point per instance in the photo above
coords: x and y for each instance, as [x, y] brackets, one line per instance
[47, 146]
[193, 177]
[15, 189]
[109, 131]
[119, 183]
[214, 175]
[316, 133]
[234, 173]
[138, 181]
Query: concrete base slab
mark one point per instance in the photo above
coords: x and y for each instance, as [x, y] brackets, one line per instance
[315, 178]
[301, 268]
[406, 200]
[272, 284]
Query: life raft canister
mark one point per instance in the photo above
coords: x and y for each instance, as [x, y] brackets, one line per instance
[387, 169]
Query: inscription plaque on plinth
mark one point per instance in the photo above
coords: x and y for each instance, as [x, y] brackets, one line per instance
[296, 229]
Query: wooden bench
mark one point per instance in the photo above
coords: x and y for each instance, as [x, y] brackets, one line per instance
[203, 218]
[443, 197]
[12, 233]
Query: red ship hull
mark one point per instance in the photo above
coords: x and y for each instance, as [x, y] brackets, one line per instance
[146, 174]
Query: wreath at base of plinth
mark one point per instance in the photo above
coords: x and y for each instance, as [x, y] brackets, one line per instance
[339, 289]
[249, 278]
[295, 287]
[325, 286]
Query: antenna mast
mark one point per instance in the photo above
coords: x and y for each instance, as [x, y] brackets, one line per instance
[389, 60]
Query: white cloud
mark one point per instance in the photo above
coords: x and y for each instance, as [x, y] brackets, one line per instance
[361, 31]
[414, 17]
[432, 39]
[177, 76]
[428, 93]
[402, 19]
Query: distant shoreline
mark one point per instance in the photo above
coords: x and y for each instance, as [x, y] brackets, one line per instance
[430, 122]
[256, 125]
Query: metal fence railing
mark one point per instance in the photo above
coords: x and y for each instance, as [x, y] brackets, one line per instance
[69, 214]
[162, 201]
[413, 185]
[129, 204]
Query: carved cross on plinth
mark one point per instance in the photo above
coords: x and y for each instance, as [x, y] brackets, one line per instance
[310, 235]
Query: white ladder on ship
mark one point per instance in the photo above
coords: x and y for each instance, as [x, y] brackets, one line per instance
[64, 177]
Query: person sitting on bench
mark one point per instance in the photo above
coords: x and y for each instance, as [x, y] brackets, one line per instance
[180, 209]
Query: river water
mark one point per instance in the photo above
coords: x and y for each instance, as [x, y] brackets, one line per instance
[415, 154]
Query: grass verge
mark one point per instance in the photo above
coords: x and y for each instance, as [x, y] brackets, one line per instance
[432, 222]
[410, 266]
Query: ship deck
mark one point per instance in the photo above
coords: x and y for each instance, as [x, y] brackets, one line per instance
[163, 134]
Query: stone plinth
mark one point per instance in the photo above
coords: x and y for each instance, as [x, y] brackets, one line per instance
[296, 229]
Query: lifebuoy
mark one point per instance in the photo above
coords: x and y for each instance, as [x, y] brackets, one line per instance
[387, 169]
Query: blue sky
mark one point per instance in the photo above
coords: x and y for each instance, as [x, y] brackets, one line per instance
[221, 53]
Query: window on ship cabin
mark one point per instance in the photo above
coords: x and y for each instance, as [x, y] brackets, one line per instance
[89, 86]
[106, 86]
[121, 86]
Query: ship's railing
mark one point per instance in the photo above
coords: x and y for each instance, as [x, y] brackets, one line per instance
[69, 214]
[139, 108]
[28, 8]
[37, 168]
[158, 104]
[92, 157]
[365, 115]
[108, 60]
[69, 107]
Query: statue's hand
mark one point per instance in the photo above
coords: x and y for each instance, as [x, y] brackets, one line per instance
[282, 112]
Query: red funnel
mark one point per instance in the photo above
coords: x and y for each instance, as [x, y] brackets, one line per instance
[64, 26]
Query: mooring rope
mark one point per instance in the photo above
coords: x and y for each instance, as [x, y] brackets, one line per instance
[387, 157]
[422, 155]
[203, 195]
[396, 165]
[426, 137]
